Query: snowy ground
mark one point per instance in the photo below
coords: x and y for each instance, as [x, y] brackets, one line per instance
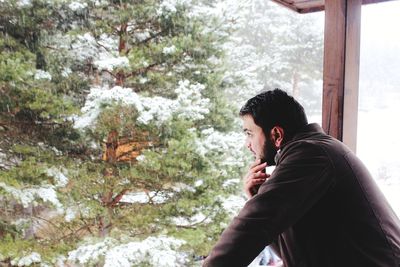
[378, 144]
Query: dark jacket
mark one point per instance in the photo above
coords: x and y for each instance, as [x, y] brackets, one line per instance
[320, 208]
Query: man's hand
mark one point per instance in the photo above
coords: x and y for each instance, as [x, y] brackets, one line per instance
[254, 178]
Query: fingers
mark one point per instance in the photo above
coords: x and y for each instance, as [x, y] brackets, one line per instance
[255, 163]
[257, 175]
[256, 172]
[252, 186]
[253, 182]
[258, 167]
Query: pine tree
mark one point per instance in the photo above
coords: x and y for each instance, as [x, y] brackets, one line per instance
[275, 48]
[153, 108]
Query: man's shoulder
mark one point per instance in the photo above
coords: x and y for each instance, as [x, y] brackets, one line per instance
[308, 145]
[316, 147]
[302, 150]
[316, 142]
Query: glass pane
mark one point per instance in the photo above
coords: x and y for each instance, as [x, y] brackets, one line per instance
[276, 47]
[377, 140]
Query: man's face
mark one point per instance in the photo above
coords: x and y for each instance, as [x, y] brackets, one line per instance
[256, 141]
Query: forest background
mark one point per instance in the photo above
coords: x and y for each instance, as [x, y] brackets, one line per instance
[120, 143]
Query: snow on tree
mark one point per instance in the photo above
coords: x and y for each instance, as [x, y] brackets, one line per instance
[116, 124]
[121, 99]
[273, 47]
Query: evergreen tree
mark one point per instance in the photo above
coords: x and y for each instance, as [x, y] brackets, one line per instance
[275, 48]
[144, 157]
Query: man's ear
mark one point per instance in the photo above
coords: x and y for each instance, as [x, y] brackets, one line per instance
[277, 134]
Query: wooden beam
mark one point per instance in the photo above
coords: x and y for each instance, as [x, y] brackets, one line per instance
[308, 6]
[351, 75]
[341, 67]
[303, 6]
[286, 4]
[333, 71]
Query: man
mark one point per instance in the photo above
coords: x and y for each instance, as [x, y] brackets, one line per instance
[319, 207]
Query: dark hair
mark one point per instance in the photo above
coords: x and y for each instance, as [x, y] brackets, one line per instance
[276, 108]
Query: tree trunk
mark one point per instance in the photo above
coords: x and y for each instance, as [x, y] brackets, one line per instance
[122, 49]
[123, 33]
[111, 147]
[120, 78]
[295, 84]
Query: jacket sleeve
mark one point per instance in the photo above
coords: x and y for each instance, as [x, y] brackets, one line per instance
[303, 175]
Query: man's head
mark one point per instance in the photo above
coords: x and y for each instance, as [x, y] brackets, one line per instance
[270, 119]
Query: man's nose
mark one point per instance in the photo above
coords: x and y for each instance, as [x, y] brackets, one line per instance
[248, 145]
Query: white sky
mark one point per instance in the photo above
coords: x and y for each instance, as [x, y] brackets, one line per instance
[380, 95]
[381, 19]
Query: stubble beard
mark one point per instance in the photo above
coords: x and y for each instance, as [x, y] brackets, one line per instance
[269, 152]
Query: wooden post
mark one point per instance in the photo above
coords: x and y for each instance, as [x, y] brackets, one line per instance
[351, 75]
[333, 76]
[341, 68]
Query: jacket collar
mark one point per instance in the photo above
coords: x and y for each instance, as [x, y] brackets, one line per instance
[307, 130]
